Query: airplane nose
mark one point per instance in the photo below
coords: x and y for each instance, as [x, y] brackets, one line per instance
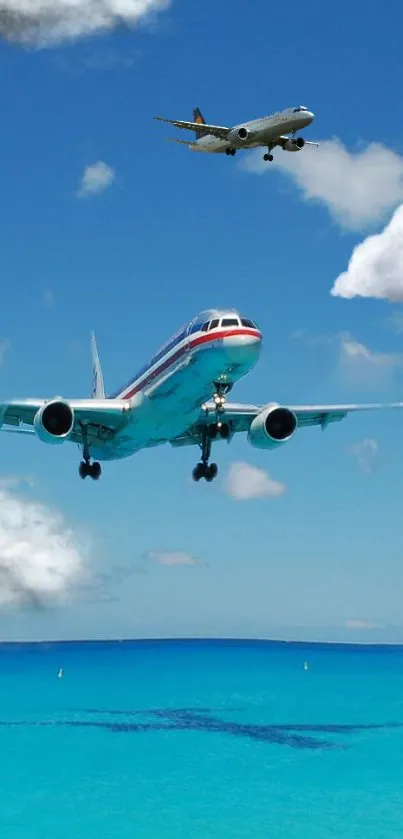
[243, 349]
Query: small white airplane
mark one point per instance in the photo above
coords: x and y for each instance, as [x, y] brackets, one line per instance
[179, 397]
[267, 131]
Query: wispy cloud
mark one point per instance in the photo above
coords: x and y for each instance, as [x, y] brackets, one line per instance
[48, 299]
[360, 624]
[96, 178]
[359, 356]
[366, 453]
[396, 322]
[353, 356]
[40, 559]
[375, 265]
[15, 481]
[357, 187]
[4, 348]
[44, 23]
[170, 558]
[245, 482]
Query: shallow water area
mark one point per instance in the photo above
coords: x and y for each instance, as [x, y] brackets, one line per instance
[202, 738]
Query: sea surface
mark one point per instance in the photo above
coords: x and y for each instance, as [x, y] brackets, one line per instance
[200, 740]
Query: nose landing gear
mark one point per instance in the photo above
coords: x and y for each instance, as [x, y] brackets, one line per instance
[210, 432]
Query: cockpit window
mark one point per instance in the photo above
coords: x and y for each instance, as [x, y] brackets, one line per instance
[301, 108]
[205, 326]
[230, 322]
[214, 323]
[248, 323]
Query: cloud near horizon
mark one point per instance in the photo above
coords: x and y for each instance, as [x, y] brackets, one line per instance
[245, 482]
[358, 188]
[45, 23]
[359, 624]
[40, 559]
[95, 179]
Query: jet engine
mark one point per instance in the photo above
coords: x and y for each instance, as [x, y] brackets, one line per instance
[272, 427]
[294, 144]
[238, 136]
[54, 422]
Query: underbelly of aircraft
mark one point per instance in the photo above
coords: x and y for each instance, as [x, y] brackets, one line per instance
[172, 404]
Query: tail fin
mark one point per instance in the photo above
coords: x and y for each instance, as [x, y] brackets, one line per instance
[199, 118]
[98, 388]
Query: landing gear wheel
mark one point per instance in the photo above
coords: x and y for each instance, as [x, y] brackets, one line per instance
[218, 429]
[92, 470]
[198, 472]
[268, 157]
[211, 472]
[95, 470]
[83, 469]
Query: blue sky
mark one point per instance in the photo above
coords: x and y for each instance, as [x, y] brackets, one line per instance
[168, 233]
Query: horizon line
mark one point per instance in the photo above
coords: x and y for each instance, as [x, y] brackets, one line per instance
[201, 639]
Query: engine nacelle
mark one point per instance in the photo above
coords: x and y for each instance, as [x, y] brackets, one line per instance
[238, 136]
[294, 144]
[54, 422]
[272, 427]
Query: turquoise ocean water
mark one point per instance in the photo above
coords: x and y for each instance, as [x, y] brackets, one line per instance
[209, 740]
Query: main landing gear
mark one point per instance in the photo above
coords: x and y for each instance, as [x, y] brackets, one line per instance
[204, 469]
[268, 157]
[230, 151]
[86, 468]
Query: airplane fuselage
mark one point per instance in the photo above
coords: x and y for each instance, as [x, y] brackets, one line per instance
[260, 132]
[166, 396]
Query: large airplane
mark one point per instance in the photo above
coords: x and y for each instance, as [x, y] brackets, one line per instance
[269, 131]
[179, 397]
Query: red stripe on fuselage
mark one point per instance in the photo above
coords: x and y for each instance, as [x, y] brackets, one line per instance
[202, 339]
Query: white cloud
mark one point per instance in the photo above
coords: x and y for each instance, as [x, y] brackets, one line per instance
[39, 557]
[358, 624]
[358, 187]
[366, 452]
[375, 266]
[171, 558]
[96, 178]
[245, 482]
[48, 22]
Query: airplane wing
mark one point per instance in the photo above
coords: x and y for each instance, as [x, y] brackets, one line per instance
[102, 417]
[187, 143]
[240, 417]
[216, 130]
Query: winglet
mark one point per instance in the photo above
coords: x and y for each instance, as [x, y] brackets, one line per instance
[98, 388]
